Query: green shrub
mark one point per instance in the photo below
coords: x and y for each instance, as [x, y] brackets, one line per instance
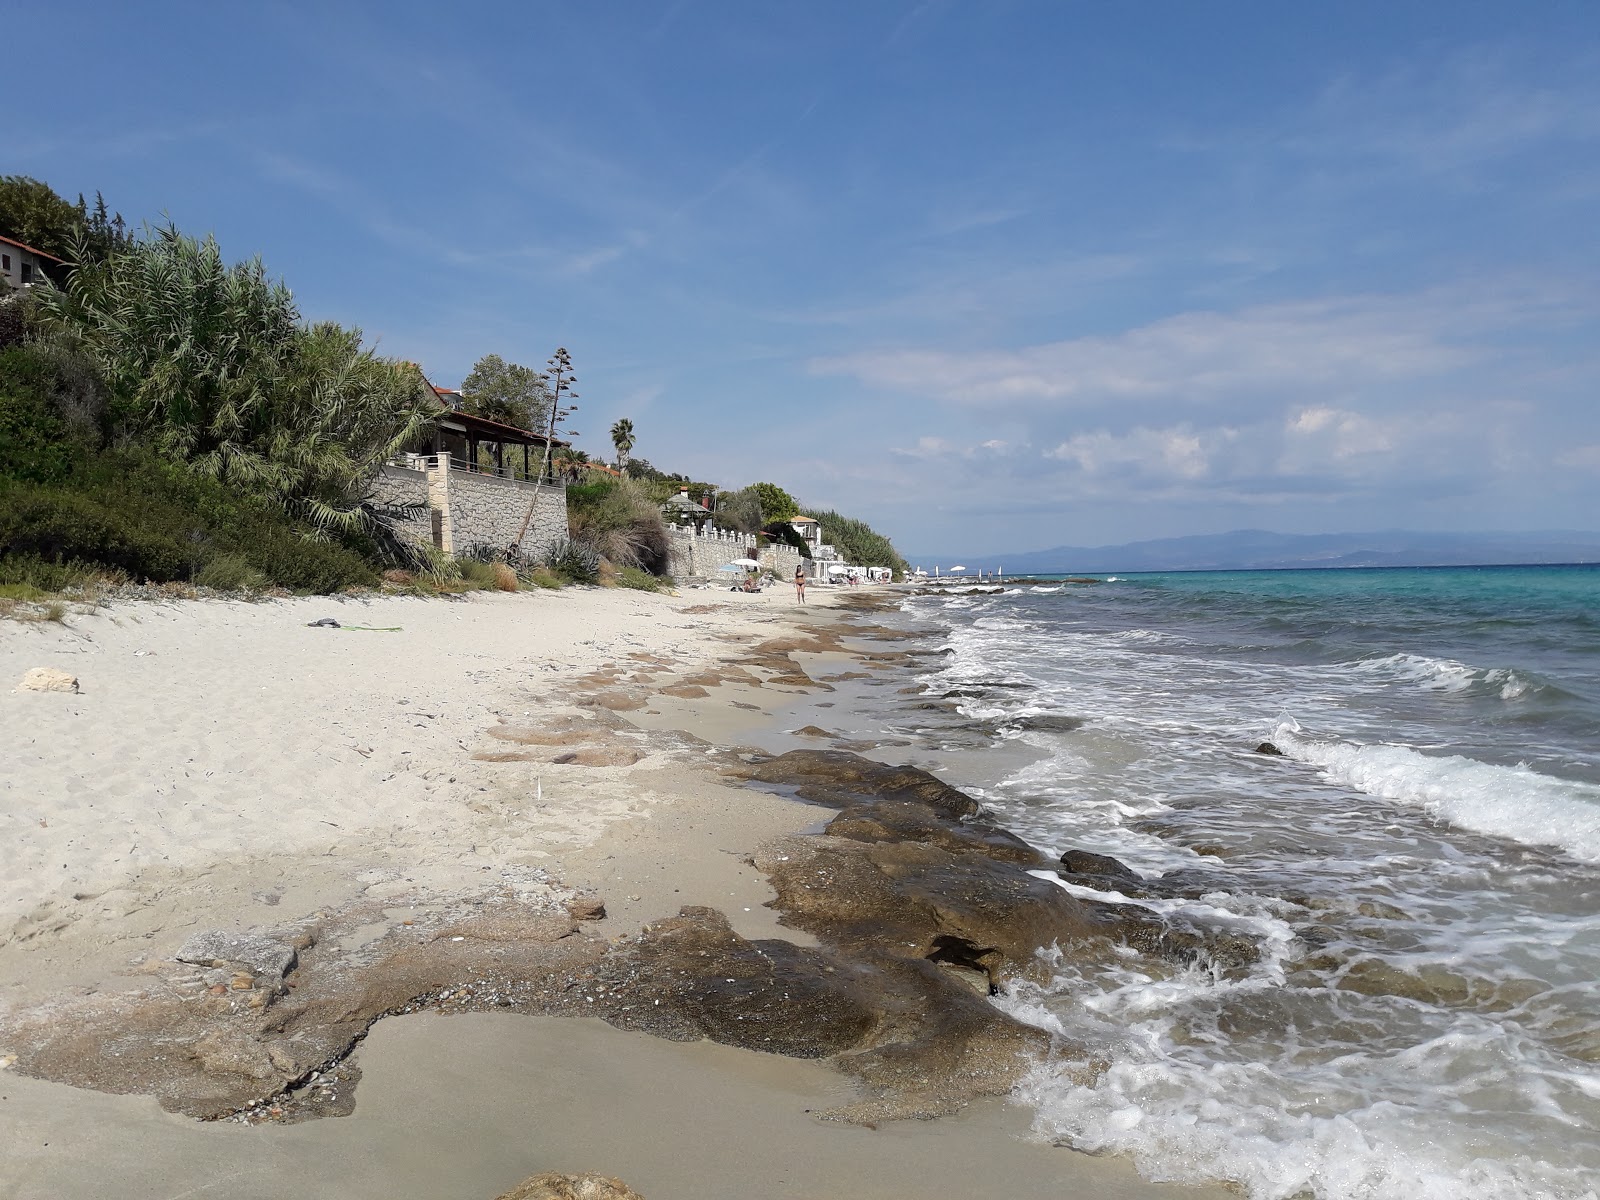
[543, 577]
[60, 526]
[30, 577]
[621, 521]
[43, 429]
[290, 556]
[155, 521]
[643, 581]
[478, 575]
[230, 573]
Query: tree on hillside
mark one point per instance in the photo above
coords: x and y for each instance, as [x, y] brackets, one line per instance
[32, 213]
[103, 233]
[857, 542]
[506, 392]
[776, 504]
[570, 462]
[622, 439]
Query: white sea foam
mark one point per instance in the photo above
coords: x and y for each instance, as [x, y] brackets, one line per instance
[1183, 1122]
[1446, 675]
[1213, 1078]
[1511, 802]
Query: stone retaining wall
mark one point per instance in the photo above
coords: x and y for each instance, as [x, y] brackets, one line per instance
[702, 555]
[396, 486]
[486, 510]
[471, 509]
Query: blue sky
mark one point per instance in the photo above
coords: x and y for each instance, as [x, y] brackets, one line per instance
[992, 276]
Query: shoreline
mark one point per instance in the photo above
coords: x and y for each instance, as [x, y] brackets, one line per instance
[631, 816]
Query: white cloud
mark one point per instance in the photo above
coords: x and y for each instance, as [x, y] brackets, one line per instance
[1344, 343]
[1584, 458]
[1341, 433]
[1176, 453]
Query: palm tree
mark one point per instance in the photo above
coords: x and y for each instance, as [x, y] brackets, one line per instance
[622, 439]
[570, 463]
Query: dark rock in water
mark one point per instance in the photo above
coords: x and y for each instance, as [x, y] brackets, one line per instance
[1190, 883]
[863, 896]
[904, 821]
[840, 779]
[1049, 722]
[925, 1041]
[1270, 749]
[691, 977]
[1083, 862]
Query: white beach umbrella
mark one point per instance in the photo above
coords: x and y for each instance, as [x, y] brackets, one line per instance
[838, 569]
[953, 570]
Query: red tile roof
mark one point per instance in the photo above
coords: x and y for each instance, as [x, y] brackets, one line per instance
[31, 250]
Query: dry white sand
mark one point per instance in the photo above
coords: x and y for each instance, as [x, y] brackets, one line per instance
[227, 766]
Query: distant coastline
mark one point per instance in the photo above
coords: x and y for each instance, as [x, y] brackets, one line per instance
[1262, 550]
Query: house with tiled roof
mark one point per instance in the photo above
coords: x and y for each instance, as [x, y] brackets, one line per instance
[23, 266]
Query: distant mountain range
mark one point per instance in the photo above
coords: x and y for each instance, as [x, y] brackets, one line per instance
[1260, 549]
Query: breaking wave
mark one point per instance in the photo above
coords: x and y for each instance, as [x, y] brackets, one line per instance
[1511, 802]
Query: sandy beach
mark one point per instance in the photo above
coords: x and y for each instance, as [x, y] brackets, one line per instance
[428, 767]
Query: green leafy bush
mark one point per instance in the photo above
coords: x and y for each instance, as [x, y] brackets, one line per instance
[643, 581]
[49, 403]
[27, 577]
[230, 573]
[212, 365]
[621, 521]
[155, 521]
[478, 574]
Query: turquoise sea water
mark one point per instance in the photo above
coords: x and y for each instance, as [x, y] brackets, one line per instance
[1422, 868]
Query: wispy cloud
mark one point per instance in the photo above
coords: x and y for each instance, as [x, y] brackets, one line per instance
[1341, 342]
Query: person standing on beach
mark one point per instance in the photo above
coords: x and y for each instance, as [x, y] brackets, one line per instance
[800, 583]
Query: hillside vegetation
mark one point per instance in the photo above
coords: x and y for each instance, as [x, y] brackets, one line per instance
[167, 417]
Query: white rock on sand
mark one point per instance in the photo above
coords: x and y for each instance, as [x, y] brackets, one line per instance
[47, 679]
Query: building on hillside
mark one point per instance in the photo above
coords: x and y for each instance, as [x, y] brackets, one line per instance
[22, 266]
[684, 509]
[810, 531]
[473, 485]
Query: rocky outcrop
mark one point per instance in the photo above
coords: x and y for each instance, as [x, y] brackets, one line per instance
[266, 959]
[839, 779]
[923, 1042]
[554, 1186]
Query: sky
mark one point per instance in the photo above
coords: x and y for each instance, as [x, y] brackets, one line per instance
[991, 275]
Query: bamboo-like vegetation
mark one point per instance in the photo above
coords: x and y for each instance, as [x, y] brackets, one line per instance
[210, 364]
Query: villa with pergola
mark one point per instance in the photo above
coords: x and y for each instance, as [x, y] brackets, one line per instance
[487, 447]
[472, 485]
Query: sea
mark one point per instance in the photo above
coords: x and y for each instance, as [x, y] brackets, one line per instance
[1420, 867]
